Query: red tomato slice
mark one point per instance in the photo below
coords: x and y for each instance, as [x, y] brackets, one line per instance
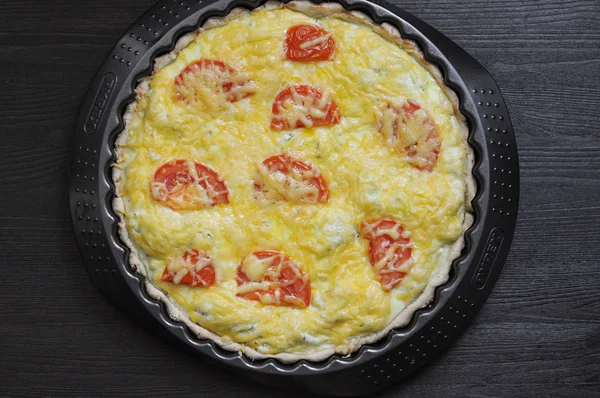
[286, 178]
[188, 185]
[410, 127]
[303, 106]
[193, 268]
[390, 250]
[308, 43]
[275, 279]
[215, 76]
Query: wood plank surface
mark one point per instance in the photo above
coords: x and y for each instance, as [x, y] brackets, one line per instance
[539, 332]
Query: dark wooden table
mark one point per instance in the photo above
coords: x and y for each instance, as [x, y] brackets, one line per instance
[538, 334]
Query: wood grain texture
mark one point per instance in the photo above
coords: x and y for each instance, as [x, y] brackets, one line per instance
[539, 332]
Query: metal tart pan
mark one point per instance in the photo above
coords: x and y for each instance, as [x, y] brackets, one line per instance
[374, 366]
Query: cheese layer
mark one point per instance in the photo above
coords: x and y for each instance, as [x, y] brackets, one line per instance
[367, 180]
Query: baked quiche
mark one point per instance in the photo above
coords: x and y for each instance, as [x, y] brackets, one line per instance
[293, 181]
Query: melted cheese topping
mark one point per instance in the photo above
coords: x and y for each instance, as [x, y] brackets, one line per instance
[254, 267]
[291, 187]
[300, 107]
[413, 133]
[203, 88]
[257, 269]
[367, 179]
[178, 267]
[189, 191]
[314, 42]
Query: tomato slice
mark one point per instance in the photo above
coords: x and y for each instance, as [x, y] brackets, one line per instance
[193, 268]
[303, 106]
[207, 76]
[390, 250]
[273, 278]
[284, 178]
[308, 43]
[410, 128]
[188, 185]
